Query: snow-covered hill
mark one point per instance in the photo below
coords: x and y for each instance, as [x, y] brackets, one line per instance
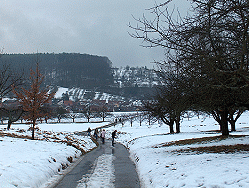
[128, 82]
[134, 77]
[83, 94]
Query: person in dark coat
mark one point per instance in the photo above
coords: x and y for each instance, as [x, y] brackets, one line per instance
[113, 136]
[96, 133]
[89, 131]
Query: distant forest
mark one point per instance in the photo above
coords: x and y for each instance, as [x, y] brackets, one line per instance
[65, 69]
[74, 70]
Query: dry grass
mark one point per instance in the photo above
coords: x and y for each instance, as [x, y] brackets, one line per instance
[202, 140]
[208, 149]
[216, 149]
[48, 137]
[15, 135]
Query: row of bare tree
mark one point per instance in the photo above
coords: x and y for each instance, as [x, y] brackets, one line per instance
[206, 60]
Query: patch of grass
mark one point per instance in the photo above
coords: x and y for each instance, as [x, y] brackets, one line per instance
[202, 140]
[70, 159]
[16, 136]
[64, 166]
[208, 149]
[216, 149]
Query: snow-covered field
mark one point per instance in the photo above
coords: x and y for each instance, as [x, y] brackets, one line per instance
[162, 159]
[160, 164]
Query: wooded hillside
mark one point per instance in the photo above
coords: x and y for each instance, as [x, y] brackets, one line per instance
[66, 69]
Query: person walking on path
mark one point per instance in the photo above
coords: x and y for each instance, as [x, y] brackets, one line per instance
[89, 131]
[113, 136]
[100, 131]
[103, 136]
[96, 134]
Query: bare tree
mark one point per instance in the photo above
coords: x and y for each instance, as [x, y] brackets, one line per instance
[72, 116]
[88, 113]
[9, 77]
[103, 112]
[59, 113]
[234, 115]
[141, 116]
[168, 106]
[210, 47]
[12, 113]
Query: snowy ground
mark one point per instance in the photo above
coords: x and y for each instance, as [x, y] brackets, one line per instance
[30, 163]
[161, 163]
[162, 160]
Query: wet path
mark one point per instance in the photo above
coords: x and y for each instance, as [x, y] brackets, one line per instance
[106, 166]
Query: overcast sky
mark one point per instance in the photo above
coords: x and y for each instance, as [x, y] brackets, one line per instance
[97, 27]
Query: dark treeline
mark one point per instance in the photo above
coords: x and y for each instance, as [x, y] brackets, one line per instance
[65, 69]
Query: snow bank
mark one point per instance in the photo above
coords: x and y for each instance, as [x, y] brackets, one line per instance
[31, 163]
[27, 163]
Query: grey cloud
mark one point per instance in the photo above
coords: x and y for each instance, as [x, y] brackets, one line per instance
[82, 26]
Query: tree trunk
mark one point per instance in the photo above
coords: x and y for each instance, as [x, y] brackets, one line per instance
[33, 130]
[178, 124]
[224, 122]
[9, 124]
[232, 122]
[171, 126]
[14, 116]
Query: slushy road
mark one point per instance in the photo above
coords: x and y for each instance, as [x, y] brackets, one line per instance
[106, 166]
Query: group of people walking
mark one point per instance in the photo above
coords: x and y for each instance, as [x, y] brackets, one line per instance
[102, 134]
